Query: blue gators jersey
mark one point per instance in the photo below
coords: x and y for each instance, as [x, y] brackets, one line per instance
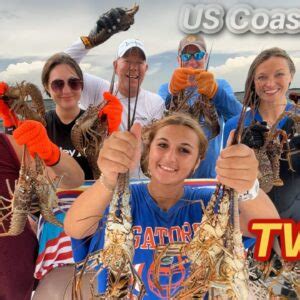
[227, 106]
[153, 226]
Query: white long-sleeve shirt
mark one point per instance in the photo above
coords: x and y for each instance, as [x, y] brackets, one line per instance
[150, 106]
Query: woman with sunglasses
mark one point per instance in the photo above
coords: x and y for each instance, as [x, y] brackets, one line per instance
[266, 88]
[164, 210]
[62, 79]
[192, 75]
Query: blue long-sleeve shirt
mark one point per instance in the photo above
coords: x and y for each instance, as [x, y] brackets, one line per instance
[227, 106]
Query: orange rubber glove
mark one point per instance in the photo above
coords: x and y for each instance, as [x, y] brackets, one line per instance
[180, 80]
[3, 88]
[34, 135]
[9, 118]
[206, 83]
[113, 111]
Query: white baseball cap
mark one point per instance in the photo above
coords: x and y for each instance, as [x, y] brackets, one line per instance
[128, 44]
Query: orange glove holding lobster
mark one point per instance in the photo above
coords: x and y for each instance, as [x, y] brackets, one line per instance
[113, 111]
[185, 77]
[181, 79]
[9, 118]
[206, 83]
[34, 135]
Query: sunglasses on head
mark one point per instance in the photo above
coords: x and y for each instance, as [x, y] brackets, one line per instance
[188, 56]
[75, 84]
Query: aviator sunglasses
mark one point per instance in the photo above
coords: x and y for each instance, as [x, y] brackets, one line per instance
[75, 84]
[188, 56]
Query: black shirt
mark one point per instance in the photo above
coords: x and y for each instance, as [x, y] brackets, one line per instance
[60, 134]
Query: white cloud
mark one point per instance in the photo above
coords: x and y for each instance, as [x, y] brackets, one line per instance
[21, 71]
[36, 29]
[40, 28]
[235, 71]
[31, 72]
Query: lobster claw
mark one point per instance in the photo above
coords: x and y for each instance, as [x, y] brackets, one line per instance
[111, 22]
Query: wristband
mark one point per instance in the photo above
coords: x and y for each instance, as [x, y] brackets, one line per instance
[86, 41]
[250, 194]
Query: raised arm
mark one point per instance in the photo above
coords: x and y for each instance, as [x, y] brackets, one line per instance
[108, 24]
[118, 154]
[77, 50]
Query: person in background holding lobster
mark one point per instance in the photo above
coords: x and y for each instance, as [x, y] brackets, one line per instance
[193, 59]
[130, 66]
[63, 81]
[34, 135]
[267, 84]
[18, 253]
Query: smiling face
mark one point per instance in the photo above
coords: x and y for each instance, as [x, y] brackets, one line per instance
[272, 78]
[131, 66]
[66, 98]
[173, 154]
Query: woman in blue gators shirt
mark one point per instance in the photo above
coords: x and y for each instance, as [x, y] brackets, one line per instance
[269, 78]
[164, 210]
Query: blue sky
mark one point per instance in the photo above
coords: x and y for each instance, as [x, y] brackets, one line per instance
[32, 30]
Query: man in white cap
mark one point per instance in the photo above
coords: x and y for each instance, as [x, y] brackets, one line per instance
[130, 67]
[192, 75]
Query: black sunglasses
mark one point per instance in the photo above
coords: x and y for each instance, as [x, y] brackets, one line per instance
[75, 84]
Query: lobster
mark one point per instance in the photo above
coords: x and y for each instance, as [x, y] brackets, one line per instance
[215, 253]
[34, 190]
[264, 276]
[88, 135]
[17, 97]
[118, 250]
[19, 206]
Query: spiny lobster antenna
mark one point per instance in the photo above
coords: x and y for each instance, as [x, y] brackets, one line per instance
[181, 93]
[112, 82]
[238, 132]
[209, 54]
[128, 104]
[136, 98]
